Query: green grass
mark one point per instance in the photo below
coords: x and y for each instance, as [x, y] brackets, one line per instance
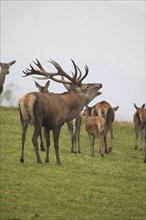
[83, 188]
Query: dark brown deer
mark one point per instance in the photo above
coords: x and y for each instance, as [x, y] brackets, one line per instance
[96, 127]
[105, 110]
[53, 110]
[43, 89]
[4, 71]
[139, 120]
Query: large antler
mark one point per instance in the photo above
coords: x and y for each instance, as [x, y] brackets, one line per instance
[75, 79]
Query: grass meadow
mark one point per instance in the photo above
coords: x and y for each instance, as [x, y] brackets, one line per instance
[82, 188]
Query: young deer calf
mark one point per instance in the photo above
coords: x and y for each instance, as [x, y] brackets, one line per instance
[43, 89]
[95, 126]
[105, 110]
[139, 120]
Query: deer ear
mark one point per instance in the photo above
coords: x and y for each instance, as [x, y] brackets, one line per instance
[47, 84]
[75, 88]
[11, 63]
[143, 105]
[135, 106]
[37, 85]
[116, 108]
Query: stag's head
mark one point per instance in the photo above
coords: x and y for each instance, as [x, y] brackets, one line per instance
[5, 67]
[72, 83]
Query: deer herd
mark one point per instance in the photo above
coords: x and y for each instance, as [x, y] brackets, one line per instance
[48, 111]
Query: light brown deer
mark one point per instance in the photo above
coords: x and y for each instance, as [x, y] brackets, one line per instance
[74, 127]
[3, 72]
[105, 110]
[139, 120]
[95, 126]
[43, 89]
[53, 110]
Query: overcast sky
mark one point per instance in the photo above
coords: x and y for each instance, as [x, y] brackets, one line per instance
[108, 36]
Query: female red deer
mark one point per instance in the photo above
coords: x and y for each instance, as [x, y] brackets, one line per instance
[43, 89]
[53, 110]
[105, 110]
[139, 120]
[4, 70]
[95, 126]
[74, 127]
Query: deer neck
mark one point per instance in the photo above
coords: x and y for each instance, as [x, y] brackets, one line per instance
[74, 103]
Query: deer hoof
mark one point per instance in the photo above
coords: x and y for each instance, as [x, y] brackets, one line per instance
[110, 149]
[102, 155]
[21, 160]
[79, 152]
[144, 160]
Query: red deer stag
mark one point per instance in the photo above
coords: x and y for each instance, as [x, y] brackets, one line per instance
[53, 110]
[4, 70]
[95, 126]
[139, 120]
[43, 89]
[105, 110]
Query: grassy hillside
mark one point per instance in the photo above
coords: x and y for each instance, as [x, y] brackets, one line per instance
[83, 188]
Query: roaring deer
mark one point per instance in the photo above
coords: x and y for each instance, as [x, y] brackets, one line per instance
[139, 120]
[105, 110]
[53, 110]
[95, 126]
[4, 70]
[43, 89]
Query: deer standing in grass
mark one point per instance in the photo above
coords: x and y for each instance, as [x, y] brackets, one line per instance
[105, 110]
[95, 126]
[43, 89]
[3, 72]
[74, 127]
[139, 120]
[53, 110]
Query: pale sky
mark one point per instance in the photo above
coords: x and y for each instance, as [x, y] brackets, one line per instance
[108, 36]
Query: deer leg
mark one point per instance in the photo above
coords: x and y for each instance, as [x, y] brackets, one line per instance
[42, 137]
[92, 141]
[47, 135]
[24, 130]
[102, 144]
[136, 137]
[78, 137]
[37, 132]
[111, 139]
[142, 138]
[56, 133]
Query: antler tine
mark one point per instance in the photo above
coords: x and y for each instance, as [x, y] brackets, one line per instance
[79, 72]
[86, 73]
[38, 64]
[64, 74]
[75, 67]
